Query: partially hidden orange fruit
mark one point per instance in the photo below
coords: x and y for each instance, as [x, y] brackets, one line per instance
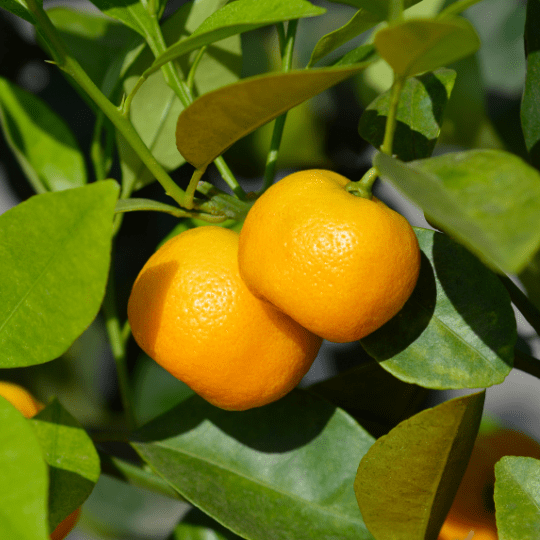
[25, 402]
[473, 508]
[338, 264]
[191, 312]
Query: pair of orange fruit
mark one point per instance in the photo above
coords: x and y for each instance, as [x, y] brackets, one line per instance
[28, 406]
[240, 318]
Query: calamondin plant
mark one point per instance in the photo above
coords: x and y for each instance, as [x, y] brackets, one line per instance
[214, 318]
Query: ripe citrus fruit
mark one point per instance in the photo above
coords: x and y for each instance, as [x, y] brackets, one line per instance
[191, 312]
[473, 508]
[338, 264]
[23, 400]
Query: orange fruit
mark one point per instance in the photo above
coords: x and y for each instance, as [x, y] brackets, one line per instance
[191, 312]
[473, 508]
[23, 400]
[338, 264]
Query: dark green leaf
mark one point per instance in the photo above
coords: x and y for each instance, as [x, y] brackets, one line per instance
[362, 20]
[235, 18]
[457, 330]
[417, 45]
[419, 115]
[530, 104]
[517, 498]
[23, 479]
[55, 253]
[272, 473]
[489, 200]
[72, 458]
[19, 8]
[215, 121]
[41, 141]
[407, 480]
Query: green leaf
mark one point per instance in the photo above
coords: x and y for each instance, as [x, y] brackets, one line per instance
[73, 461]
[196, 525]
[235, 18]
[55, 253]
[40, 140]
[362, 20]
[407, 481]
[19, 8]
[372, 396]
[273, 473]
[95, 40]
[457, 330]
[488, 200]
[215, 121]
[155, 108]
[364, 53]
[23, 479]
[517, 498]
[416, 45]
[419, 115]
[530, 104]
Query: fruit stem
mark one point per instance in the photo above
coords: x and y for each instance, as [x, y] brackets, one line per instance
[287, 50]
[391, 119]
[363, 187]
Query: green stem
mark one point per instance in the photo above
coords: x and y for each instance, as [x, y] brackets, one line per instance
[363, 187]
[527, 363]
[118, 348]
[391, 119]
[191, 75]
[192, 187]
[72, 68]
[524, 305]
[279, 124]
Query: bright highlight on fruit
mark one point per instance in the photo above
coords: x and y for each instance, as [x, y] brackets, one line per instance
[339, 265]
[191, 312]
[473, 507]
[23, 400]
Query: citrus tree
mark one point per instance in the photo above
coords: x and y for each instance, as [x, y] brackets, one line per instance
[245, 284]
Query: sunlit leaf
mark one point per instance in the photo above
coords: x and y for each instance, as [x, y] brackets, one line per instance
[40, 140]
[55, 253]
[407, 480]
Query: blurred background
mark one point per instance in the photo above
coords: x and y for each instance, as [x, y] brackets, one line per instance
[483, 112]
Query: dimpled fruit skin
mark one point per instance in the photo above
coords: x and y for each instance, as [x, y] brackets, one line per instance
[190, 311]
[338, 264]
[473, 507]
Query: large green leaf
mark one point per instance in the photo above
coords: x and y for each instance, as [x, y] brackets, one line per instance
[19, 8]
[41, 141]
[155, 108]
[517, 498]
[196, 525]
[54, 253]
[419, 115]
[407, 481]
[72, 458]
[417, 45]
[215, 121]
[283, 471]
[23, 479]
[457, 330]
[530, 104]
[489, 200]
[235, 18]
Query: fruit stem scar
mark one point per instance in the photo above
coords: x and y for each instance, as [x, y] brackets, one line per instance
[363, 187]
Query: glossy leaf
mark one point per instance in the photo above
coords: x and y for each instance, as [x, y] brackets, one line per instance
[457, 330]
[23, 479]
[235, 18]
[215, 121]
[40, 140]
[417, 45]
[72, 458]
[55, 252]
[517, 498]
[361, 21]
[272, 473]
[155, 108]
[19, 8]
[419, 115]
[530, 104]
[489, 200]
[407, 481]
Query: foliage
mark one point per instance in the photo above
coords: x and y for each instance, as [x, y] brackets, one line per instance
[177, 95]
